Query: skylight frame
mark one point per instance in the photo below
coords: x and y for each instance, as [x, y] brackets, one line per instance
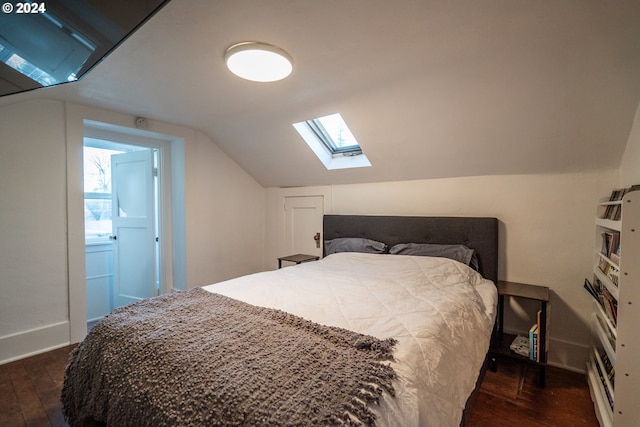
[332, 154]
[319, 127]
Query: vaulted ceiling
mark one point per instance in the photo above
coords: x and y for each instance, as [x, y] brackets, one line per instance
[431, 88]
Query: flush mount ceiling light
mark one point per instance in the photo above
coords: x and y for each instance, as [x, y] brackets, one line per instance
[258, 62]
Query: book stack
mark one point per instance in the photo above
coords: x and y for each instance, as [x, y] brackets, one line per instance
[534, 338]
[529, 346]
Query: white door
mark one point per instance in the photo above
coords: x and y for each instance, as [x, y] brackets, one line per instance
[303, 224]
[134, 259]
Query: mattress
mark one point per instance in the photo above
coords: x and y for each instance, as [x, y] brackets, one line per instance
[441, 312]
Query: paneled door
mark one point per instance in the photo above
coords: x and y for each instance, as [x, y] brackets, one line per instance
[133, 227]
[303, 224]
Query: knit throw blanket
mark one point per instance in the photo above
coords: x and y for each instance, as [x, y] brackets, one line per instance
[196, 358]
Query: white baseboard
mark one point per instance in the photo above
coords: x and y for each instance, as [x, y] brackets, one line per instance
[568, 355]
[32, 342]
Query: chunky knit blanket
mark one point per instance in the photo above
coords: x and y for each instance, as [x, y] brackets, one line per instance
[196, 358]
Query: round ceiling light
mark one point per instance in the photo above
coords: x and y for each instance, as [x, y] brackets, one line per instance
[258, 62]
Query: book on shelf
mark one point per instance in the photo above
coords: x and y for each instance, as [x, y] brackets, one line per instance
[606, 389]
[608, 367]
[610, 305]
[609, 270]
[589, 287]
[613, 274]
[539, 329]
[615, 256]
[520, 345]
[533, 342]
[597, 284]
[614, 211]
[607, 331]
[611, 245]
[602, 295]
[535, 349]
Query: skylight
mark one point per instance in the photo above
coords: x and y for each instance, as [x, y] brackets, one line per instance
[28, 69]
[335, 134]
[333, 142]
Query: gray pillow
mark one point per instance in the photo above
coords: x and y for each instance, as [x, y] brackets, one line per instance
[460, 253]
[354, 244]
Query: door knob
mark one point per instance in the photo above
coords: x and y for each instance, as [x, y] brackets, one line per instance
[317, 239]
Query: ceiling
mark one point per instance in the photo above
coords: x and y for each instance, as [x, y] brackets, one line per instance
[431, 89]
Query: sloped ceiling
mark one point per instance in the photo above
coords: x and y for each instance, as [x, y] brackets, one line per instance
[431, 88]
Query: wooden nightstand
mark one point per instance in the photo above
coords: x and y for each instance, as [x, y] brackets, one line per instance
[297, 258]
[501, 341]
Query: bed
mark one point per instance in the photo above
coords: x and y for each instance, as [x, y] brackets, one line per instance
[360, 337]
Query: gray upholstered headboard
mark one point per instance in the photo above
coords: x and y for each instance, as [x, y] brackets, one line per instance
[480, 234]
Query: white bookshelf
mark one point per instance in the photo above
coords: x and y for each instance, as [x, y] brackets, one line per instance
[618, 341]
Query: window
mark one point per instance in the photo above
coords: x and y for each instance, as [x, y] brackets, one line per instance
[25, 67]
[334, 133]
[97, 192]
[333, 142]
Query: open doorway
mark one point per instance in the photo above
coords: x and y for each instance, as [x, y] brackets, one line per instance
[122, 209]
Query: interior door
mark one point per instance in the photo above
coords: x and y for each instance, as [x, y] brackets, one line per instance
[133, 219]
[303, 224]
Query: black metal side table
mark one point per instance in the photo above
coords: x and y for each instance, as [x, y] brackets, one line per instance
[297, 258]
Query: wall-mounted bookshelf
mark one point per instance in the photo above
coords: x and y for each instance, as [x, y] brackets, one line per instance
[613, 368]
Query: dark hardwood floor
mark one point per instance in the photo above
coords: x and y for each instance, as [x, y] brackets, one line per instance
[30, 395]
[30, 390]
[511, 397]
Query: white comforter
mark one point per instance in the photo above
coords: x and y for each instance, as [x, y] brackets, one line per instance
[440, 311]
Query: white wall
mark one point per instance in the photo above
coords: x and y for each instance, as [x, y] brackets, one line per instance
[630, 166]
[33, 227]
[43, 299]
[225, 216]
[546, 233]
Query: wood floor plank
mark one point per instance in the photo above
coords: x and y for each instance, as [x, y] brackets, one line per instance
[490, 411]
[11, 415]
[505, 382]
[7, 394]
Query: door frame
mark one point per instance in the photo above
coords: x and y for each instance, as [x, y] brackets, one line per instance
[294, 204]
[104, 132]
[82, 121]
